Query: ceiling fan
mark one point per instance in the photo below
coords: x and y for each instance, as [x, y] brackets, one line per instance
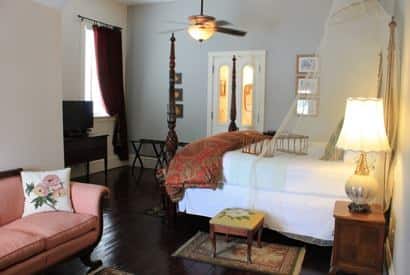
[202, 27]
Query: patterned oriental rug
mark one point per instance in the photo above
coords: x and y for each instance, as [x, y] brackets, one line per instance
[270, 259]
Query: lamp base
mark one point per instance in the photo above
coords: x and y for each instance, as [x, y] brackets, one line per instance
[359, 208]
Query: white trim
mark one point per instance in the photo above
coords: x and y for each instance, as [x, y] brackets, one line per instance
[83, 25]
[389, 258]
[237, 53]
[260, 97]
[98, 166]
[209, 109]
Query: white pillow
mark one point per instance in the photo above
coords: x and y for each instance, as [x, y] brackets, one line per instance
[46, 191]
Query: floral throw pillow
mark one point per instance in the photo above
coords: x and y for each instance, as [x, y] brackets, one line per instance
[46, 191]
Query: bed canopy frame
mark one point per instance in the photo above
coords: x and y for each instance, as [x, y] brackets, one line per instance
[171, 144]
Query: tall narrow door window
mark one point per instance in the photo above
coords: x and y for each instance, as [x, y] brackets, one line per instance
[247, 95]
[92, 88]
[223, 94]
[249, 92]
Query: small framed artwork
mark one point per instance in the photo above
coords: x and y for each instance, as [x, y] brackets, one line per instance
[178, 78]
[307, 64]
[179, 110]
[307, 86]
[307, 107]
[179, 94]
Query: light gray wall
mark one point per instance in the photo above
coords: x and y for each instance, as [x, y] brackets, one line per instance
[111, 12]
[284, 28]
[31, 134]
[399, 232]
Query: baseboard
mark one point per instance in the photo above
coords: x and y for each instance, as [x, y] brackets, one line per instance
[389, 259]
[97, 166]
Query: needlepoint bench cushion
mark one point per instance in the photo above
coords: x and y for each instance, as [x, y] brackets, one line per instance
[238, 218]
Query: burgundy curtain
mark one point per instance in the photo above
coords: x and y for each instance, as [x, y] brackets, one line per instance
[108, 48]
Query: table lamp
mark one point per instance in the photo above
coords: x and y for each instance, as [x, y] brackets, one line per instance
[363, 131]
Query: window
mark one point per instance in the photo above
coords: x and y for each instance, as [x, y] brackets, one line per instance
[247, 95]
[91, 84]
[223, 94]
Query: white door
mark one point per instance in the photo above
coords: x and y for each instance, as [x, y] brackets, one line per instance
[250, 90]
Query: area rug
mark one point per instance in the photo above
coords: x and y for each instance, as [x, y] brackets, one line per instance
[109, 271]
[270, 259]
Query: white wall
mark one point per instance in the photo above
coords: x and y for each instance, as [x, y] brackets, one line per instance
[401, 202]
[108, 11]
[284, 28]
[30, 86]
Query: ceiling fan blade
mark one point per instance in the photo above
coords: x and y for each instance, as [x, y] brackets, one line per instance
[222, 23]
[230, 31]
[171, 31]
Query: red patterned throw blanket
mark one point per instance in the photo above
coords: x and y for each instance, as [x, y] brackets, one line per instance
[199, 164]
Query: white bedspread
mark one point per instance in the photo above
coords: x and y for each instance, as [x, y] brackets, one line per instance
[287, 173]
[297, 193]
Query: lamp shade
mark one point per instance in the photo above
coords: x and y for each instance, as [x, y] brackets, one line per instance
[201, 32]
[363, 128]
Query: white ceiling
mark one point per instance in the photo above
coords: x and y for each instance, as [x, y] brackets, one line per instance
[134, 2]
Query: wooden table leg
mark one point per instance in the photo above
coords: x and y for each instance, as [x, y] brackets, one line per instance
[213, 240]
[250, 240]
[260, 236]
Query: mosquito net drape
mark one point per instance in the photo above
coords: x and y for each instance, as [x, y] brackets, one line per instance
[352, 62]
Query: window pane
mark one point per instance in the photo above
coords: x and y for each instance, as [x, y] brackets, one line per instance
[92, 85]
[247, 95]
[223, 94]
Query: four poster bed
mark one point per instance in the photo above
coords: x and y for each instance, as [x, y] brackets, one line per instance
[297, 193]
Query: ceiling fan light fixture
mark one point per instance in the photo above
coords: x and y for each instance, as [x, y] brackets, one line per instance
[201, 32]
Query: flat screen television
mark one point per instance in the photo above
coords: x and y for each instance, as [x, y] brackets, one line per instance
[77, 117]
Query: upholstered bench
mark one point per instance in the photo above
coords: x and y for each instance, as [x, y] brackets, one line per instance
[237, 222]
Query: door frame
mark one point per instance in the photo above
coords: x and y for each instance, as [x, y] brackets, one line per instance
[260, 97]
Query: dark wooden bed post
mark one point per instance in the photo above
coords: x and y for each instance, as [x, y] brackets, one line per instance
[232, 125]
[171, 142]
[172, 138]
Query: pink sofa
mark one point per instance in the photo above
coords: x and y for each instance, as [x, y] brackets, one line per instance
[33, 243]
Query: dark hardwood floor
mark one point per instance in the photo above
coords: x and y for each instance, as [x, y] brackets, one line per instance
[142, 244]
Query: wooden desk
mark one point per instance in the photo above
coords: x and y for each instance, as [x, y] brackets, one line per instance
[79, 150]
[359, 240]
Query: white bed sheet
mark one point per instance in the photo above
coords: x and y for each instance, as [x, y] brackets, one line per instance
[303, 215]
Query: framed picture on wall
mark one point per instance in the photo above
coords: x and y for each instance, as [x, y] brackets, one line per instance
[307, 106]
[307, 86]
[178, 78]
[179, 94]
[307, 63]
[179, 110]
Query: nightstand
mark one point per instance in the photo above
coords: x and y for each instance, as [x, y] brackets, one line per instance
[358, 245]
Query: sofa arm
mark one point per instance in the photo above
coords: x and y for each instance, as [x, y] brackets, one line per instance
[86, 198]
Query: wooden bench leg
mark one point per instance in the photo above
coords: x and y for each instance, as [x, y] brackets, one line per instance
[250, 240]
[260, 236]
[213, 240]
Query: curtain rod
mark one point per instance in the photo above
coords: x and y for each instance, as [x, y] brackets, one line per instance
[94, 21]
